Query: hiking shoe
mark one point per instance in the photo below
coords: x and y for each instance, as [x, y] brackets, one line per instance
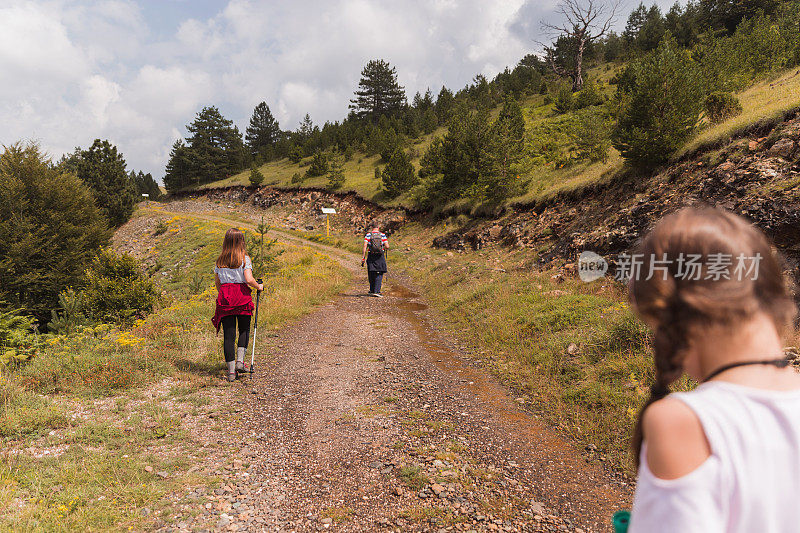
[239, 367]
[240, 372]
[231, 376]
[378, 295]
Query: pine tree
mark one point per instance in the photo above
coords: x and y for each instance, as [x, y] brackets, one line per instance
[306, 128]
[398, 176]
[217, 149]
[378, 92]
[256, 177]
[50, 228]
[661, 105]
[263, 131]
[102, 169]
[145, 184]
[179, 167]
[319, 165]
[335, 172]
[444, 104]
[507, 148]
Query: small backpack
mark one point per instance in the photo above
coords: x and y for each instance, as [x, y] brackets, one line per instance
[375, 245]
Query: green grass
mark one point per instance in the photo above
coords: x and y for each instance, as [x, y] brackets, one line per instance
[359, 173]
[92, 399]
[763, 103]
[413, 476]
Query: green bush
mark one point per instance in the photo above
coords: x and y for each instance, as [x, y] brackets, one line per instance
[50, 228]
[335, 172]
[589, 96]
[660, 107]
[721, 106]
[592, 137]
[116, 290]
[760, 45]
[71, 315]
[161, 228]
[319, 165]
[256, 177]
[295, 154]
[16, 341]
[564, 100]
[398, 176]
[297, 178]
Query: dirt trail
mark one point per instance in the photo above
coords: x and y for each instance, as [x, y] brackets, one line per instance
[363, 416]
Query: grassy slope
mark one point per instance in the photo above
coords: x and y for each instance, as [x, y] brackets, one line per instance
[764, 101]
[106, 402]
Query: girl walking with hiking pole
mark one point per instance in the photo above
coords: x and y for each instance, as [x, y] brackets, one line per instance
[233, 275]
[724, 457]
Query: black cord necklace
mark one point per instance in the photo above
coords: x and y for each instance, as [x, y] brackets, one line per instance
[779, 363]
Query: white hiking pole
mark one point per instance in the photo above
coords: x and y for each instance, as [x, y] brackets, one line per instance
[255, 329]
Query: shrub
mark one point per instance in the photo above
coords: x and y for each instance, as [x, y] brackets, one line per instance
[71, 316]
[589, 96]
[161, 228]
[295, 154]
[721, 106]
[319, 165]
[262, 251]
[592, 137]
[398, 176]
[335, 172]
[256, 177]
[115, 289]
[543, 87]
[662, 106]
[50, 228]
[564, 100]
[297, 178]
[16, 341]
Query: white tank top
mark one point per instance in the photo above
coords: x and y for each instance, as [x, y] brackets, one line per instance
[751, 481]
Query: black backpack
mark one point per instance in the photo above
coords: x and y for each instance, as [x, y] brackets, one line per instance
[375, 245]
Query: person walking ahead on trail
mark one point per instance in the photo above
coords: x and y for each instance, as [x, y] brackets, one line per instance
[233, 275]
[724, 457]
[375, 246]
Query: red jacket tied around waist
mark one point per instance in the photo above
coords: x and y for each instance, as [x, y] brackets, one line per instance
[233, 299]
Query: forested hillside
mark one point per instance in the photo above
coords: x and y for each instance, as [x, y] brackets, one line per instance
[594, 105]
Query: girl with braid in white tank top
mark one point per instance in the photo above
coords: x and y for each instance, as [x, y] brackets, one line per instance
[724, 457]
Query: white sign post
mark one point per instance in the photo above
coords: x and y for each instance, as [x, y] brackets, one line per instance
[327, 211]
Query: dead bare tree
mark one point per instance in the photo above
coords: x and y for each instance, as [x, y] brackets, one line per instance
[583, 22]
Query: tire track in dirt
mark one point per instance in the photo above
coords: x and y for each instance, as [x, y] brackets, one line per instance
[362, 416]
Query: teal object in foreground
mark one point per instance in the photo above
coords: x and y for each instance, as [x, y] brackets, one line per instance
[620, 521]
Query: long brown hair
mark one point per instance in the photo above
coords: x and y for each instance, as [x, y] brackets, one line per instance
[681, 308]
[233, 251]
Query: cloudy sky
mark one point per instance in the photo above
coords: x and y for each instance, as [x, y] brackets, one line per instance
[137, 72]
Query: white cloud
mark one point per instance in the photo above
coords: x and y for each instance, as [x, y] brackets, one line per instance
[82, 69]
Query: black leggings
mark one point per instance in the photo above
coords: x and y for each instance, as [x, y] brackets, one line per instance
[229, 331]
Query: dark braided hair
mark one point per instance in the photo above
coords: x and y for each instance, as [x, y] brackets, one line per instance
[680, 308]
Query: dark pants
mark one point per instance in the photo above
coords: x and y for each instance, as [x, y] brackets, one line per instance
[229, 333]
[375, 279]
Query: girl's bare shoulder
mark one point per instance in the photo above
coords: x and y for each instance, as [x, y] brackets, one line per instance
[676, 442]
